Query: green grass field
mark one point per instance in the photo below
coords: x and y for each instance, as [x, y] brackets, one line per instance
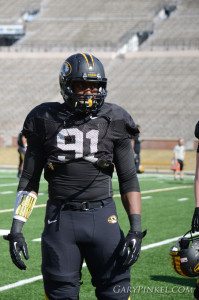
[167, 209]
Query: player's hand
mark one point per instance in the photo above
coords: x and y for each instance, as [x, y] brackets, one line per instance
[195, 220]
[132, 247]
[17, 245]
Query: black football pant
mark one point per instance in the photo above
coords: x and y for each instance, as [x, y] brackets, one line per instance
[73, 236]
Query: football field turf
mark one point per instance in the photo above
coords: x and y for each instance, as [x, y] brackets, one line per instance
[167, 208]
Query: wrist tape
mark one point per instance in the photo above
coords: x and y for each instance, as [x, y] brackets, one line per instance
[24, 204]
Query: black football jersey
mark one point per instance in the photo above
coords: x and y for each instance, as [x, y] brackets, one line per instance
[197, 133]
[78, 152]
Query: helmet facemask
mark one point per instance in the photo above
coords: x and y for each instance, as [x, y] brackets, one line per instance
[84, 103]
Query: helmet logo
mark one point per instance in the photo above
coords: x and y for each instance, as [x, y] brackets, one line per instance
[67, 69]
[112, 219]
[196, 269]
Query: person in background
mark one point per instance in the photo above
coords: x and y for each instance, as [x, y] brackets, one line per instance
[179, 156]
[195, 218]
[22, 146]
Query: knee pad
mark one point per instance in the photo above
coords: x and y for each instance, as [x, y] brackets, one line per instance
[56, 290]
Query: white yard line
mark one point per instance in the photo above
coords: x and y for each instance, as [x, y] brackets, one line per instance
[37, 240]
[158, 244]
[4, 231]
[165, 242]
[6, 192]
[183, 199]
[24, 281]
[9, 184]
[8, 171]
[20, 283]
[163, 190]
[11, 209]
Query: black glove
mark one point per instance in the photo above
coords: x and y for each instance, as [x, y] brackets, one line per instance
[195, 220]
[17, 245]
[132, 247]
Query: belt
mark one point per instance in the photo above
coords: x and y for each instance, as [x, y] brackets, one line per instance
[86, 205]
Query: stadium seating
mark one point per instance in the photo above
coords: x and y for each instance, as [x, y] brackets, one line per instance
[12, 10]
[103, 24]
[161, 92]
[179, 31]
[159, 89]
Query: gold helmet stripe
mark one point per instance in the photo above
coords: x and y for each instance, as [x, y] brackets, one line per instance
[85, 57]
[89, 59]
[92, 59]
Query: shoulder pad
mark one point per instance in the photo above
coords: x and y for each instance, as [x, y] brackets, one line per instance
[42, 109]
[121, 118]
[38, 113]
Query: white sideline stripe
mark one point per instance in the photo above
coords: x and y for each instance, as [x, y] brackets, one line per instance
[162, 190]
[147, 197]
[8, 171]
[25, 281]
[20, 283]
[4, 231]
[158, 244]
[183, 199]
[9, 184]
[6, 192]
[37, 240]
[165, 242]
[11, 209]
[8, 177]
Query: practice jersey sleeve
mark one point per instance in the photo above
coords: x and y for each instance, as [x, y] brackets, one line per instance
[34, 158]
[125, 166]
[197, 134]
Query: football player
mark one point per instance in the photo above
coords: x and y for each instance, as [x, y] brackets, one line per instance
[195, 219]
[78, 143]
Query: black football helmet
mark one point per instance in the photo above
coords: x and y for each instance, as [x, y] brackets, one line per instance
[185, 255]
[86, 68]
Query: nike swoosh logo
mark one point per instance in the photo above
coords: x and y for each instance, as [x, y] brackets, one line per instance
[15, 245]
[92, 118]
[134, 242]
[51, 221]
